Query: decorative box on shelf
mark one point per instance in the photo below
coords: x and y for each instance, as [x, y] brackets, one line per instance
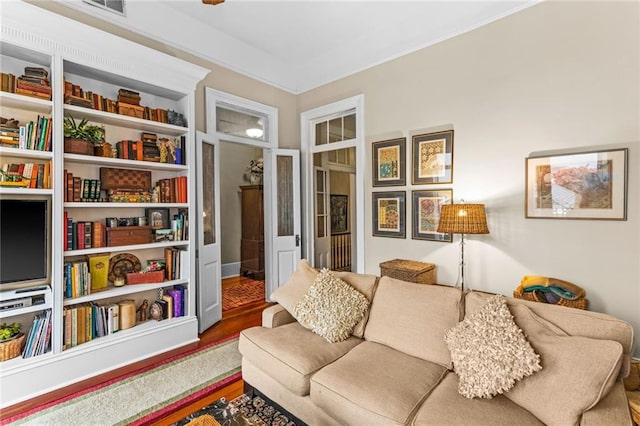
[145, 277]
[129, 197]
[130, 110]
[409, 270]
[128, 235]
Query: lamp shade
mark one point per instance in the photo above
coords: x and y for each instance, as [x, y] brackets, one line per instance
[463, 219]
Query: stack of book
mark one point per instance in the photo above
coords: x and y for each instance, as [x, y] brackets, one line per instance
[83, 234]
[77, 279]
[173, 190]
[8, 82]
[10, 136]
[34, 82]
[34, 135]
[128, 97]
[38, 340]
[31, 175]
[79, 190]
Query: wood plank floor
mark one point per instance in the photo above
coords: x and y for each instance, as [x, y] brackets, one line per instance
[233, 321]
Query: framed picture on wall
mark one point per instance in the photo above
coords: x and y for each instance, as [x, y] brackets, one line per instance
[339, 206]
[389, 214]
[426, 207]
[584, 185]
[433, 158]
[389, 162]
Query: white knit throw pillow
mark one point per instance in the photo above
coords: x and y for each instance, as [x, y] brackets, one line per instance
[490, 352]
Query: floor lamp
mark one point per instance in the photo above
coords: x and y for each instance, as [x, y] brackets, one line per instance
[463, 219]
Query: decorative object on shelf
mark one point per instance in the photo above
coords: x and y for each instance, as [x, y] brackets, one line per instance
[121, 264]
[463, 219]
[581, 185]
[99, 270]
[145, 277]
[389, 214]
[256, 171]
[80, 138]
[155, 311]
[537, 288]
[433, 158]
[409, 270]
[158, 218]
[389, 162]
[426, 206]
[164, 235]
[11, 338]
[125, 179]
[176, 118]
[339, 205]
[105, 149]
[128, 197]
[128, 235]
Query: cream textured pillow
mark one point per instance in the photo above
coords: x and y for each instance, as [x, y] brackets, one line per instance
[489, 351]
[331, 308]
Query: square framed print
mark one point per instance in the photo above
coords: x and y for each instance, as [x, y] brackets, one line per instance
[389, 214]
[433, 158]
[389, 162]
[339, 207]
[158, 218]
[426, 205]
[584, 185]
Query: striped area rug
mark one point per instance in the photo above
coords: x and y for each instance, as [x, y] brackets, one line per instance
[146, 395]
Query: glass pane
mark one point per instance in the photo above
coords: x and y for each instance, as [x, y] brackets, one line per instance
[335, 130]
[239, 122]
[317, 159]
[320, 204]
[341, 156]
[319, 181]
[331, 156]
[284, 171]
[208, 189]
[320, 227]
[351, 160]
[350, 127]
[321, 133]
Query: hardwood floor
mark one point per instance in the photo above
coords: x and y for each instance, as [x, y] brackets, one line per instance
[233, 321]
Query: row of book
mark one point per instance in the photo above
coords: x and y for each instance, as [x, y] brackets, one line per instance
[78, 189]
[32, 175]
[33, 135]
[77, 279]
[34, 82]
[149, 148]
[83, 235]
[172, 190]
[38, 339]
[175, 260]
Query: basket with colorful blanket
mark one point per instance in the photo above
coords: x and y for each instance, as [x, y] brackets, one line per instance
[551, 290]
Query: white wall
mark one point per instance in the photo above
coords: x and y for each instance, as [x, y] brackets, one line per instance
[558, 75]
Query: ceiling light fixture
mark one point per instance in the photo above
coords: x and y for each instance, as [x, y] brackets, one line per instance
[254, 132]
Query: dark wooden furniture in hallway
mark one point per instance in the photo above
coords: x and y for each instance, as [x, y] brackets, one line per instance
[252, 243]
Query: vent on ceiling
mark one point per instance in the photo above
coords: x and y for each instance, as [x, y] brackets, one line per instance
[116, 6]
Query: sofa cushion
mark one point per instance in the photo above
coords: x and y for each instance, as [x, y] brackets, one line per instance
[331, 308]
[412, 318]
[577, 371]
[296, 286]
[575, 322]
[445, 406]
[489, 351]
[374, 384]
[291, 353]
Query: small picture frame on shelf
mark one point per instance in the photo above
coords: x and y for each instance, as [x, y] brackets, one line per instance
[157, 218]
[389, 214]
[426, 205]
[433, 158]
[164, 235]
[389, 162]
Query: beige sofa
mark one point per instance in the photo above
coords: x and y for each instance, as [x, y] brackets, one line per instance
[396, 369]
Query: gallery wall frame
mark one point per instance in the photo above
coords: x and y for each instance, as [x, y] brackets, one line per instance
[339, 209]
[432, 159]
[389, 162]
[425, 206]
[580, 185]
[389, 214]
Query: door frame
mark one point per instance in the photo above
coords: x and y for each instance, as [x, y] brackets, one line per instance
[307, 135]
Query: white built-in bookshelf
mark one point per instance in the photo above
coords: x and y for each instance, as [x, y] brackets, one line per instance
[101, 63]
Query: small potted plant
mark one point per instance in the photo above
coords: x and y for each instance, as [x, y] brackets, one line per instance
[11, 338]
[80, 138]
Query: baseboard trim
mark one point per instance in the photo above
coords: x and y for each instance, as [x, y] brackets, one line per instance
[230, 269]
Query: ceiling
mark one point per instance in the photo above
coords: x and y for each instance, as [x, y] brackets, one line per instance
[298, 45]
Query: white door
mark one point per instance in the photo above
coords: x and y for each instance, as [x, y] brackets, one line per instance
[322, 236]
[282, 210]
[209, 275]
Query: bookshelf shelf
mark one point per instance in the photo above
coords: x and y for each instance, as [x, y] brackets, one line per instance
[13, 100]
[126, 248]
[24, 191]
[111, 292]
[117, 162]
[124, 205]
[7, 152]
[120, 120]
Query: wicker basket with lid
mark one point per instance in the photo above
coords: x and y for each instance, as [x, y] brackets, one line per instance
[409, 270]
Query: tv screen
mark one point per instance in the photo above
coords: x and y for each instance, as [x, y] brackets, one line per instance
[24, 236]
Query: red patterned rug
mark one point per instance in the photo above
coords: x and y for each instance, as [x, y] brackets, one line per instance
[241, 291]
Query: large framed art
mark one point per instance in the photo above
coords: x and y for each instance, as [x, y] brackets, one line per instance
[426, 205]
[389, 214]
[339, 205]
[433, 158]
[389, 162]
[584, 185]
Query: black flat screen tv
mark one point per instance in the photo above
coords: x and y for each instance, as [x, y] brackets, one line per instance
[25, 234]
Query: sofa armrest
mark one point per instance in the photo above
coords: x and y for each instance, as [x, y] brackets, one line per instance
[613, 409]
[275, 316]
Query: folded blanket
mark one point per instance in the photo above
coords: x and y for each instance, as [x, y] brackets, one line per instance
[550, 289]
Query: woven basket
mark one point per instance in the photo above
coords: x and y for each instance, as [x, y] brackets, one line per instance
[580, 303]
[409, 270]
[11, 349]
